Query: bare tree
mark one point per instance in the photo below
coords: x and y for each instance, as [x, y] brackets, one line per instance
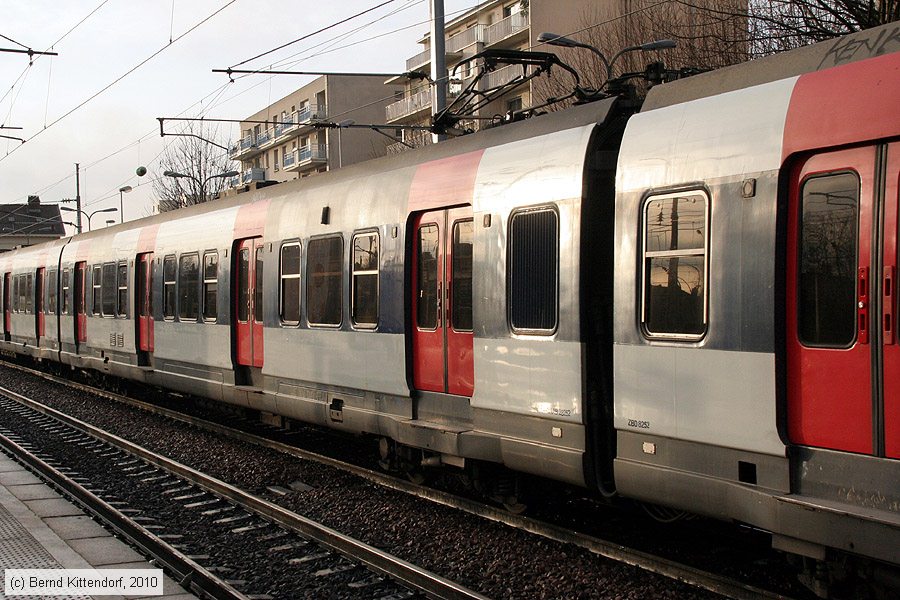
[200, 158]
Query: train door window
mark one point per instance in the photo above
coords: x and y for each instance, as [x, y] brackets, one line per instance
[169, 287]
[323, 292]
[64, 301]
[51, 292]
[258, 286]
[289, 305]
[210, 285]
[29, 293]
[15, 294]
[829, 216]
[427, 294]
[122, 290]
[96, 287]
[461, 276]
[109, 290]
[364, 280]
[674, 278]
[243, 290]
[533, 271]
[188, 287]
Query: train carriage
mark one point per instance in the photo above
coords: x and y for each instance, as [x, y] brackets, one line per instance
[690, 302]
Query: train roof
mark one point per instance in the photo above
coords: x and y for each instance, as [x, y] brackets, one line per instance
[831, 53]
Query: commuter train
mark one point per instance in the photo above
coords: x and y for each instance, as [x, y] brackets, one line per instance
[691, 304]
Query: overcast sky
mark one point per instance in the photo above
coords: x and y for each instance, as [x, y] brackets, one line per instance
[117, 131]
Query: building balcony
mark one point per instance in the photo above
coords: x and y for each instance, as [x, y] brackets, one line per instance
[419, 60]
[306, 157]
[410, 105]
[253, 174]
[298, 121]
[500, 76]
[472, 35]
[506, 28]
[243, 149]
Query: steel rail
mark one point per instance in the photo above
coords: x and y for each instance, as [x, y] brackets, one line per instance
[186, 571]
[693, 576]
[431, 584]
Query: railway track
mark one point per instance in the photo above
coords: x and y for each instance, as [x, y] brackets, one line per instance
[137, 492]
[703, 579]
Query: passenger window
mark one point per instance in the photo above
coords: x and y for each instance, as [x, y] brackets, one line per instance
[829, 217]
[51, 292]
[461, 276]
[122, 285]
[324, 290]
[290, 284]
[64, 301]
[29, 293]
[96, 287]
[210, 285]
[364, 282]
[109, 289]
[243, 286]
[15, 294]
[675, 241]
[188, 287]
[533, 271]
[427, 277]
[169, 287]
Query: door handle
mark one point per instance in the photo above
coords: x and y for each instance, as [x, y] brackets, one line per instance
[862, 305]
[888, 305]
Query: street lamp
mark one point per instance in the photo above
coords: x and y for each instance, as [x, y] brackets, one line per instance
[91, 215]
[122, 190]
[554, 39]
[203, 183]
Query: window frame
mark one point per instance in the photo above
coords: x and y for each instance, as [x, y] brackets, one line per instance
[204, 282]
[799, 255]
[353, 275]
[530, 331]
[182, 318]
[121, 311]
[310, 286]
[97, 290]
[454, 310]
[51, 282]
[281, 283]
[65, 284]
[644, 255]
[167, 316]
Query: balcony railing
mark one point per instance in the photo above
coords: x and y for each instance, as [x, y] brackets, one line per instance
[501, 30]
[242, 146]
[289, 160]
[312, 152]
[419, 60]
[501, 76]
[409, 105]
[253, 174]
[311, 112]
[263, 138]
[457, 42]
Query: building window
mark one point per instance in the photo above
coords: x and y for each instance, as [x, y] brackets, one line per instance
[461, 276]
[169, 287]
[275, 159]
[533, 271]
[675, 235]
[324, 290]
[122, 283]
[210, 285]
[829, 242]
[96, 287]
[364, 281]
[514, 105]
[65, 292]
[289, 306]
[188, 287]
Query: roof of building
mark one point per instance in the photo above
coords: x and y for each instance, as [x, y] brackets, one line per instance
[31, 219]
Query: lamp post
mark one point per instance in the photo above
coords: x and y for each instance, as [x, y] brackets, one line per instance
[554, 39]
[123, 190]
[89, 215]
[201, 184]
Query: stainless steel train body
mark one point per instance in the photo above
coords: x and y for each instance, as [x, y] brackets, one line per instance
[610, 300]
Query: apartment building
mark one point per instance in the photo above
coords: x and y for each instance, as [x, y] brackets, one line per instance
[298, 135]
[496, 24]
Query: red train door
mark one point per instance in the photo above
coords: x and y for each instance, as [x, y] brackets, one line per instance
[7, 308]
[248, 302]
[843, 363]
[143, 298]
[78, 303]
[442, 302]
[890, 308]
[39, 305]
